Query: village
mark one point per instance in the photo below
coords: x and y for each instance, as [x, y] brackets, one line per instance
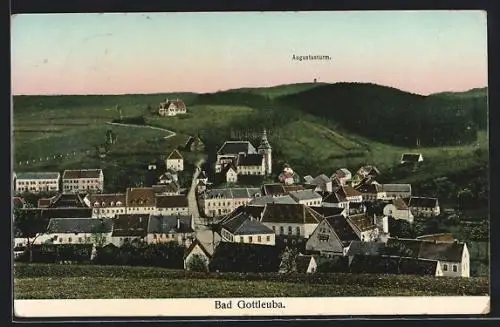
[294, 224]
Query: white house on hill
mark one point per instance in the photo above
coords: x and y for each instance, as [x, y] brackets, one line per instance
[172, 108]
[175, 161]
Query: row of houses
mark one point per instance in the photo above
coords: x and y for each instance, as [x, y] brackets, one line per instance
[81, 180]
[124, 228]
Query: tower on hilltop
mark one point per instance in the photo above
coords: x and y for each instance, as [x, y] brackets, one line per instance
[265, 149]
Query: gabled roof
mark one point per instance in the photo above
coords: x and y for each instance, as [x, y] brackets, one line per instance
[178, 103]
[228, 167]
[171, 187]
[168, 224]
[423, 202]
[274, 189]
[335, 197]
[349, 191]
[400, 204]
[410, 157]
[362, 222]
[82, 173]
[290, 213]
[303, 262]
[67, 200]
[37, 175]
[308, 179]
[244, 224]
[305, 195]
[44, 202]
[342, 229]
[193, 245]
[171, 201]
[342, 173]
[254, 211]
[290, 188]
[80, 225]
[130, 225]
[328, 211]
[140, 197]
[236, 147]
[392, 188]
[444, 251]
[319, 180]
[174, 155]
[253, 159]
[440, 237]
[107, 200]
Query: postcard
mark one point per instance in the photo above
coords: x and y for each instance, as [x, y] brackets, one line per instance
[216, 164]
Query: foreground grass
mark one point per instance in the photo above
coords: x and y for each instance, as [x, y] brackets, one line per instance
[39, 281]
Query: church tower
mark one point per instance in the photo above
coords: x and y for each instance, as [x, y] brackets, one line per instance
[265, 149]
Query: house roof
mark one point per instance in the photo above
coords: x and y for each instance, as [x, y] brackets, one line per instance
[308, 179]
[236, 147]
[82, 173]
[290, 188]
[444, 251]
[228, 167]
[80, 225]
[342, 173]
[67, 200]
[130, 225]
[369, 188]
[362, 221]
[400, 204]
[174, 155]
[335, 197]
[254, 211]
[393, 188]
[44, 202]
[193, 245]
[319, 180]
[171, 187]
[37, 175]
[253, 159]
[202, 175]
[107, 200]
[245, 224]
[171, 201]
[290, 213]
[349, 191]
[342, 229]
[440, 237]
[140, 197]
[178, 103]
[410, 157]
[303, 262]
[368, 170]
[263, 200]
[423, 202]
[229, 193]
[365, 248]
[304, 195]
[274, 189]
[168, 224]
[328, 211]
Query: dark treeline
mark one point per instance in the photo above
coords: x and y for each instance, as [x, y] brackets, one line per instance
[393, 116]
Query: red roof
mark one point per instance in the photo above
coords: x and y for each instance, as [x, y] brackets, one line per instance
[175, 155]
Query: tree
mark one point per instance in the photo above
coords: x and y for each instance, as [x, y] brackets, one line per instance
[99, 234]
[197, 263]
[28, 225]
[289, 260]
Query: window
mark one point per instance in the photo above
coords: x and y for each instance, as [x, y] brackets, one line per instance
[274, 229]
[249, 239]
[455, 268]
[241, 239]
[259, 239]
[80, 239]
[297, 230]
[282, 230]
[268, 238]
[289, 230]
[70, 240]
[154, 236]
[445, 267]
[60, 239]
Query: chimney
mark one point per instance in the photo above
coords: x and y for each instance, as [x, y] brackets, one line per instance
[178, 223]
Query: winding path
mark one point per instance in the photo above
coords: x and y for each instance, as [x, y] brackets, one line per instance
[145, 126]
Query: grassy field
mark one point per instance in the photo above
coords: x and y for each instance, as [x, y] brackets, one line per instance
[39, 281]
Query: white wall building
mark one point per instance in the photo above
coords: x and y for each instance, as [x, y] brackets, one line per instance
[89, 180]
[36, 182]
[175, 161]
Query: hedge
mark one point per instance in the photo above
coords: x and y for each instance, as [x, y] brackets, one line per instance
[445, 285]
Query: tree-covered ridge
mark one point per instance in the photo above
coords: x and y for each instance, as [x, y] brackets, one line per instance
[392, 116]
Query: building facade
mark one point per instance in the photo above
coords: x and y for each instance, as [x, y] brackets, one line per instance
[88, 180]
[37, 182]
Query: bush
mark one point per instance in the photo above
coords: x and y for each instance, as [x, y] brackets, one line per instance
[197, 263]
[53, 253]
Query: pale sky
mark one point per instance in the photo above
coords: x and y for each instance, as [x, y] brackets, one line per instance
[417, 51]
